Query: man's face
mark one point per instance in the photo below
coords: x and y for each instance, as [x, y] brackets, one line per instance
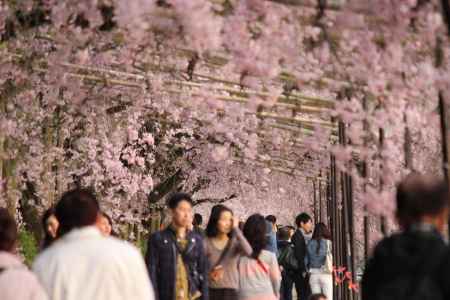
[307, 227]
[182, 214]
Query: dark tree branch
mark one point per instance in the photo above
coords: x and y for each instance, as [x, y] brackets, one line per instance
[214, 201]
[165, 187]
[446, 14]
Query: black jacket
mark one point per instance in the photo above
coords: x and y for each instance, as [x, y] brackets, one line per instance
[409, 265]
[298, 240]
[161, 261]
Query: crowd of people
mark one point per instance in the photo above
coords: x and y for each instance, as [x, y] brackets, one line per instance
[81, 258]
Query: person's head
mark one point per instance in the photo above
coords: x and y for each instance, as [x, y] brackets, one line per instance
[422, 199]
[321, 232]
[283, 234]
[317, 297]
[104, 224]
[77, 208]
[220, 221]
[50, 226]
[273, 220]
[49, 223]
[8, 231]
[180, 205]
[255, 232]
[304, 222]
[291, 231]
[198, 220]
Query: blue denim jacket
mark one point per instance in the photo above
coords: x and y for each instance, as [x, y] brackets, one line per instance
[271, 239]
[316, 260]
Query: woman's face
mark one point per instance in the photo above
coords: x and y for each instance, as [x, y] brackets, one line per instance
[105, 227]
[225, 223]
[52, 225]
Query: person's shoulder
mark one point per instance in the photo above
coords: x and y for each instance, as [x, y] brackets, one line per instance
[196, 238]
[268, 256]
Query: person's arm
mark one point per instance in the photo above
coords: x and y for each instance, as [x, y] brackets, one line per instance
[152, 261]
[299, 250]
[275, 275]
[203, 270]
[243, 245]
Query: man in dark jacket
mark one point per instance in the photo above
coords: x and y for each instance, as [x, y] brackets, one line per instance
[412, 264]
[176, 260]
[300, 239]
[287, 272]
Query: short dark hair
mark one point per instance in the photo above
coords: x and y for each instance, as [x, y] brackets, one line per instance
[418, 196]
[198, 220]
[272, 219]
[77, 208]
[216, 211]
[176, 198]
[302, 218]
[283, 234]
[255, 232]
[8, 231]
[318, 297]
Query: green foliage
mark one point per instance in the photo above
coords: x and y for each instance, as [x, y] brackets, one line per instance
[28, 246]
[142, 245]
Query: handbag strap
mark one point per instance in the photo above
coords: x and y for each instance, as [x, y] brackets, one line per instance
[224, 253]
[261, 264]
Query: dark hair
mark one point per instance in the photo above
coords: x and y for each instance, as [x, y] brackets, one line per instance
[198, 220]
[176, 198]
[241, 225]
[283, 233]
[320, 232]
[8, 231]
[113, 233]
[255, 232]
[318, 297]
[216, 212]
[272, 219]
[419, 196]
[48, 239]
[77, 208]
[302, 218]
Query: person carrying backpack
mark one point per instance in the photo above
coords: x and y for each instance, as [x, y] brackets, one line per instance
[411, 264]
[288, 263]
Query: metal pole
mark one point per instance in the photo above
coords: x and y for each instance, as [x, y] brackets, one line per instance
[364, 175]
[320, 199]
[346, 208]
[381, 145]
[315, 201]
[444, 140]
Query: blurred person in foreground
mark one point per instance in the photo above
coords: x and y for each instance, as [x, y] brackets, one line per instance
[16, 281]
[413, 264]
[176, 258]
[84, 264]
[318, 297]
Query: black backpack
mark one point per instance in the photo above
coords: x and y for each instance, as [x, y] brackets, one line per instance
[287, 258]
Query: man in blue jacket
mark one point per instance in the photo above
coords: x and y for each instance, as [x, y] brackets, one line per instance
[176, 260]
